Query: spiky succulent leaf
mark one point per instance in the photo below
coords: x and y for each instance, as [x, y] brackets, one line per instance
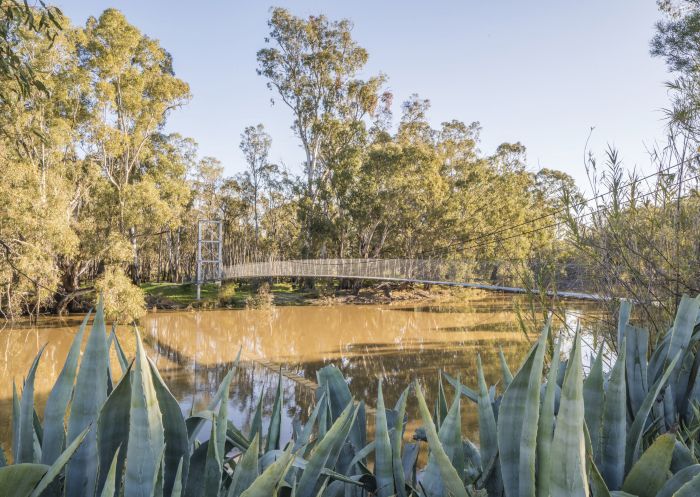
[545, 428]
[57, 403]
[569, 479]
[146, 433]
[25, 449]
[450, 478]
[650, 472]
[611, 458]
[90, 393]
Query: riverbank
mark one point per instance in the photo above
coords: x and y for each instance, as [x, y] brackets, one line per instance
[183, 296]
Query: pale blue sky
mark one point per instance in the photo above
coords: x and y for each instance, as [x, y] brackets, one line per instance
[538, 71]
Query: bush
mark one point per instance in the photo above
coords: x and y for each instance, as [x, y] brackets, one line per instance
[564, 437]
[262, 296]
[123, 301]
[227, 294]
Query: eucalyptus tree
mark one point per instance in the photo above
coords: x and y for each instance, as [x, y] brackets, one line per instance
[17, 74]
[255, 145]
[312, 65]
[133, 90]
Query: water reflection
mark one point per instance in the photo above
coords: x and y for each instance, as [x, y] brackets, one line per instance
[194, 350]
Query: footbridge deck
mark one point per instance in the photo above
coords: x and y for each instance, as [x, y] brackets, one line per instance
[424, 271]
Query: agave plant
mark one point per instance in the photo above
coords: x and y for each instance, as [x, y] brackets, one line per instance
[563, 435]
[631, 430]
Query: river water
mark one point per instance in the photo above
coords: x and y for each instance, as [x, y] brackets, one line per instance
[194, 349]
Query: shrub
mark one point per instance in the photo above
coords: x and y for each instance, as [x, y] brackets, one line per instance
[262, 296]
[227, 294]
[123, 301]
[632, 431]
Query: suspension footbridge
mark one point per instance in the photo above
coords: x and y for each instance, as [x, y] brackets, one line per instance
[422, 271]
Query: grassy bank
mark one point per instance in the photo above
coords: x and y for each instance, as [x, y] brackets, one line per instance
[170, 295]
[238, 295]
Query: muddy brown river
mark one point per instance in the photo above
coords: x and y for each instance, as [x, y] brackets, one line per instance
[194, 350]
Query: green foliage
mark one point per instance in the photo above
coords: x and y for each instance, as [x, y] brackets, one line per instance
[123, 301]
[227, 294]
[100, 190]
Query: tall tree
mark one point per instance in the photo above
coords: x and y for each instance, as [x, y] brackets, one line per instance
[134, 89]
[312, 64]
[255, 145]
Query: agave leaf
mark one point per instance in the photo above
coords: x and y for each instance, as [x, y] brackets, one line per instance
[598, 487]
[690, 489]
[246, 470]
[682, 457]
[18, 480]
[338, 396]
[57, 403]
[440, 403]
[25, 449]
[396, 437]
[593, 401]
[634, 435]
[657, 361]
[505, 370]
[113, 431]
[568, 446]
[408, 462]
[177, 485]
[176, 455]
[465, 390]
[323, 451]
[509, 426]
[383, 465]
[681, 387]
[195, 481]
[158, 486]
[15, 421]
[146, 433]
[450, 478]
[256, 425]
[212, 466]
[517, 423]
[58, 465]
[683, 326]
[545, 428]
[693, 393]
[194, 424]
[488, 436]
[622, 320]
[110, 485]
[450, 439]
[90, 393]
[677, 481]
[222, 424]
[274, 430]
[305, 435]
[237, 438]
[121, 356]
[611, 457]
[637, 347]
[362, 454]
[528, 440]
[266, 483]
[650, 472]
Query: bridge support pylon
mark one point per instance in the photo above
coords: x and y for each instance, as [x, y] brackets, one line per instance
[210, 265]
